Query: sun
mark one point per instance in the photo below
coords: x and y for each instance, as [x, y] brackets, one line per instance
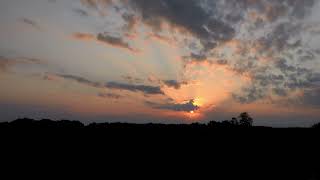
[191, 112]
[198, 102]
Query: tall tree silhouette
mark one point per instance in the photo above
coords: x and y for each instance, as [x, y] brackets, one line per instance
[235, 121]
[245, 119]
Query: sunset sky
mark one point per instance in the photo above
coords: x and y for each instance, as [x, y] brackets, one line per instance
[161, 61]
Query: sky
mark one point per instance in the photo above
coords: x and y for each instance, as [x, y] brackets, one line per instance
[161, 61]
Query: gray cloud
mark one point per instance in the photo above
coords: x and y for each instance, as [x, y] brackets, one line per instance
[177, 12]
[174, 84]
[109, 95]
[80, 80]
[186, 107]
[31, 23]
[6, 63]
[311, 97]
[96, 3]
[148, 90]
[268, 29]
[131, 79]
[80, 12]
[114, 41]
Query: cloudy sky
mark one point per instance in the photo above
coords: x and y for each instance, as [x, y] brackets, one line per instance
[161, 61]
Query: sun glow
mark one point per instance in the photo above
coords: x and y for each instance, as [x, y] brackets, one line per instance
[198, 102]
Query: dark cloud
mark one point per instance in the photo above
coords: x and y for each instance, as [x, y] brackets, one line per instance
[131, 79]
[198, 57]
[178, 13]
[174, 84]
[109, 95]
[148, 90]
[117, 42]
[278, 39]
[31, 23]
[250, 94]
[185, 107]
[267, 30]
[114, 41]
[80, 12]
[80, 80]
[96, 3]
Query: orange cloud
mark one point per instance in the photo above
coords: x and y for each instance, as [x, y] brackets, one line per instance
[84, 36]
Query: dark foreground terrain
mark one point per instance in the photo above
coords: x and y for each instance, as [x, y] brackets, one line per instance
[217, 150]
[28, 124]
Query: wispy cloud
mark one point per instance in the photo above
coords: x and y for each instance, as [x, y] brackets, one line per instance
[185, 107]
[145, 89]
[83, 36]
[31, 23]
[7, 63]
[109, 95]
[148, 90]
[80, 80]
[117, 42]
[174, 84]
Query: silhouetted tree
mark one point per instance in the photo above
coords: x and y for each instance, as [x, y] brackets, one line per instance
[317, 126]
[214, 124]
[245, 119]
[235, 121]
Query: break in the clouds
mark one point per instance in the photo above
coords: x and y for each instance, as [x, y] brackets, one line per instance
[219, 55]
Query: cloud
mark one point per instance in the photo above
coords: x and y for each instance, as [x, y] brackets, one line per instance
[177, 13]
[196, 57]
[267, 41]
[114, 41]
[31, 23]
[95, 3]
[184, 107]
[83, 36]
[311, 97]
[148, 90]
[7, 63]
[80, 12]
[109, 95]
[174, 84]
[80, 80]
[131, 79]
[105, 39]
